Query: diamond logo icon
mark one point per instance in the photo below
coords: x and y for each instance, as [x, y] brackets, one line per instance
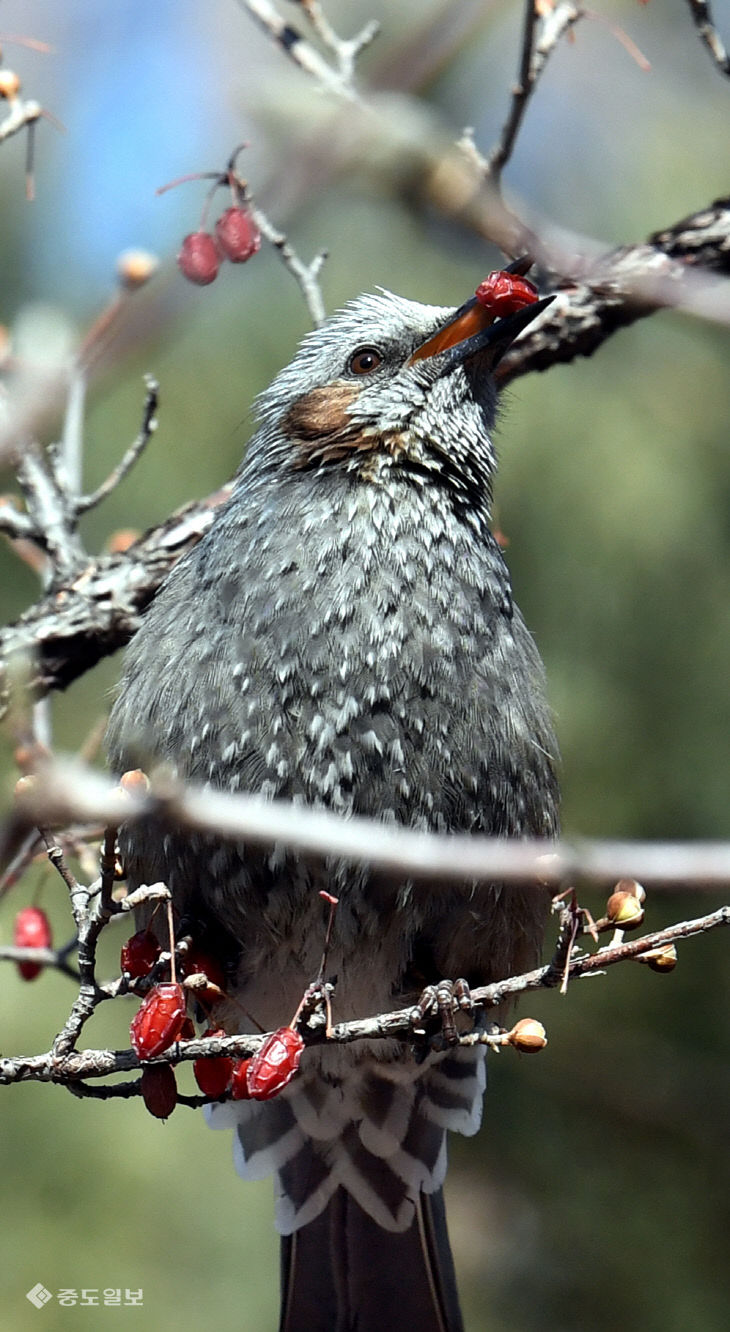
[38, 1295]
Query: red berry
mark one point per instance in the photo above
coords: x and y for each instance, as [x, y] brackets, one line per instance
[506, 293]
[159, 1090]
[239, 1080]
[237, 235]
[275, 1064]
[159, 1021]
[213, 1075]
[139, 954]
[31, 930]
[198, 259]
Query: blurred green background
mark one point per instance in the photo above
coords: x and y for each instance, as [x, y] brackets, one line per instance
[596, 1195]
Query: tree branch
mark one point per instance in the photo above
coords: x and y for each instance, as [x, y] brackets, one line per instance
[337, 77]
[97, 610]
[67, 792]
[69, 1067]
[702, 18]
[539, 39]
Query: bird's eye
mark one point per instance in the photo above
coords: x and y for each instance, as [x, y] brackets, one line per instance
[365, 360]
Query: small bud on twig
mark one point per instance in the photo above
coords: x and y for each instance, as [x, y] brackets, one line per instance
[660, 959]
[135, 268]
[528, 1035]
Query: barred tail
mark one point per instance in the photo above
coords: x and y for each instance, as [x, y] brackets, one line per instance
[344, 1273]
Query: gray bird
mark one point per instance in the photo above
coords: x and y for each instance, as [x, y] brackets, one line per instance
[345, 637]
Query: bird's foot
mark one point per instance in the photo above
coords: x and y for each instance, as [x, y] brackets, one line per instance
[317, 995]
[442, 1001]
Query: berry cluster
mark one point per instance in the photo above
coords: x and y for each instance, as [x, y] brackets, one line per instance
[235, 237]
[162, 1020]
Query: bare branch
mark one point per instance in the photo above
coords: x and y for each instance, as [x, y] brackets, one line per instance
[69, 1066]
[14, 524]
[683, 266]
[126, 463]
[345, 51]
[534, 56]
[702, 17]
[50, 512]
[305, 274]
[21, 115]
[67, 792]
[336, 78]
[66, 633]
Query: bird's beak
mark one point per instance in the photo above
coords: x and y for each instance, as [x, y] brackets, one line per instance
[473, 329]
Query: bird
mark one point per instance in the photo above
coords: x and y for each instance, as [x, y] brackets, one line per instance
[345, 637]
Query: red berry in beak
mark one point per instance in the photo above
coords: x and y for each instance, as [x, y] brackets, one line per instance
[506, 293]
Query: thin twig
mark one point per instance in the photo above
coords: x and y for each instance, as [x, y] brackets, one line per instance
[54, 959]
[126, 463]
[70, 456]
[49, 510]
[520, 94]
[14, 524]
[20, 115]
[702, 17]
[344, 50]
[24, 855]
[539, 39]
[305, 274]
[337, 79]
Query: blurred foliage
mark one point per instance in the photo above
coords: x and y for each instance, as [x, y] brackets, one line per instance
[596, 1194]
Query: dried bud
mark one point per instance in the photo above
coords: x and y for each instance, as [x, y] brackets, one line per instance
[135, 268]
[31, 756]
[527, 1035]
[624, 910]
[26, 786]
[631, 886]
[135, 782]
[198, 259]
[237, 235]
[120, 541]
[660, 959]
[159, 1090]
[9, 84]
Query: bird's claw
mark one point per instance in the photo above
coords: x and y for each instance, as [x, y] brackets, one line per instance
[442, 1001]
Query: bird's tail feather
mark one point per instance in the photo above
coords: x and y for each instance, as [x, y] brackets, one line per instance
[344, 1273]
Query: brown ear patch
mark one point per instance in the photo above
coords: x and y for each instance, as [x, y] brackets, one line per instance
[320, 427]
[321, 414]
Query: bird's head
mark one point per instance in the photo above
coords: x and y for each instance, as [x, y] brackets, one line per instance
[390, 383]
